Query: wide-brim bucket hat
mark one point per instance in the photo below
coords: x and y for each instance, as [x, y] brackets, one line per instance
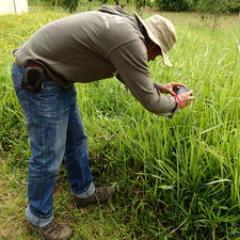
[162, 32]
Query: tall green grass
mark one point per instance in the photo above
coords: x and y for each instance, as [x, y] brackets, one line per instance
[176, 179]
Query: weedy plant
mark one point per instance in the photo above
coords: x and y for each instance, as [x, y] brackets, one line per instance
[176, 179]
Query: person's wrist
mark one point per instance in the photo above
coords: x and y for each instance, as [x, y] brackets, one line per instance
[181, 103]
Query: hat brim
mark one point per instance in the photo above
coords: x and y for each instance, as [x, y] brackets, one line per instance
[165, 57]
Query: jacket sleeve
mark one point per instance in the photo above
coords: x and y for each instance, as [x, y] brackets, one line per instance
[130, 62]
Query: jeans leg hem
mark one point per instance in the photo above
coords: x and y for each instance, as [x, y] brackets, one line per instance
[86, 192]
[37, 221]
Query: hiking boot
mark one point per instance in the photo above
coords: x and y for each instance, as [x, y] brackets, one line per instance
[54, 231]
[101, 195]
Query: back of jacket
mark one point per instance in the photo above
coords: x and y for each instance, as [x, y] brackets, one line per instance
[77, 47]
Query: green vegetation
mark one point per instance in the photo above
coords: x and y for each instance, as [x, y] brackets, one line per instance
[176, 179]
[212, 6]
[206, 6]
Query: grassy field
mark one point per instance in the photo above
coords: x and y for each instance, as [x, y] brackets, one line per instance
[176, 179]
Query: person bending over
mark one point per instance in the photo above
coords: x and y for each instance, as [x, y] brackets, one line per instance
[85, 47]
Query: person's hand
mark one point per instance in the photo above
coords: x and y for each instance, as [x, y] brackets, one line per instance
[168, 88]
[184, 98]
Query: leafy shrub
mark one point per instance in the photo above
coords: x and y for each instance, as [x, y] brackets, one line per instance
[218, 6]
[175, 5]
[209, 6]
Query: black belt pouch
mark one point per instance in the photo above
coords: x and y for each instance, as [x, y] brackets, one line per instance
[33, 78]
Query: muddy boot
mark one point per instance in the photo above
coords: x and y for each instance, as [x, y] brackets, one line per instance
[54, 231]
[101, 195]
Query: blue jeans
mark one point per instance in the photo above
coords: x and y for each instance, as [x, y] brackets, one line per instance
[56, 133]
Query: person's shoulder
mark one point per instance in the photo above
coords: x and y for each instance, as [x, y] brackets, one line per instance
[124, 30]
